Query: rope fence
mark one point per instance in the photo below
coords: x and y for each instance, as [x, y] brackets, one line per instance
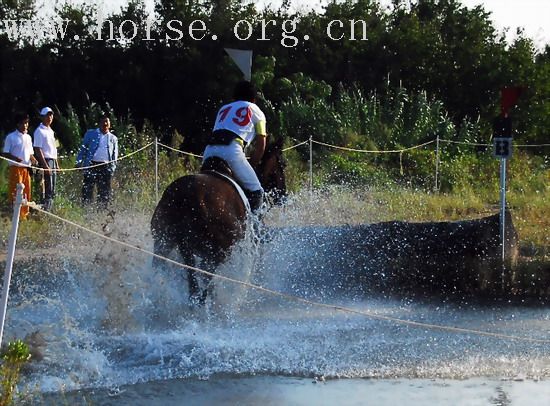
[438, 148]
[295, 146]
[374, 151]
[490, 145]
[179, 151]
[309, 142]
[438, 141]
[80, 168]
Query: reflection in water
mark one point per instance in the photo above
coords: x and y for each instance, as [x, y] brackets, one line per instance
[263, 390]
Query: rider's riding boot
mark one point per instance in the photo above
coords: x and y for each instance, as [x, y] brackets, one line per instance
[255, 198]
[260, 231]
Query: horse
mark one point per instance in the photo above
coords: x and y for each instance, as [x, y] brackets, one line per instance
[203, 215]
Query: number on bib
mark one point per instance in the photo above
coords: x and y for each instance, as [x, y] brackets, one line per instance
[241, 117]
[223, 113]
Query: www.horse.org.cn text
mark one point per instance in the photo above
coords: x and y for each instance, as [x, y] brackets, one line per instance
[285, 31]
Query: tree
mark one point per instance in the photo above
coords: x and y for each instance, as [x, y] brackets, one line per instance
[17, 9]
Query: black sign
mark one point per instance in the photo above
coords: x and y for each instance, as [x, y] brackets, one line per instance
[502, 147]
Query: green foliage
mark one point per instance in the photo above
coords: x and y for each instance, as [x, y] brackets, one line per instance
[91, 115]
[529, 174]
[420, 70]
[3, 181]
[264, 70]
[427, 53]
[296, 169]
[17, 9]
[393, 121]
[470, 173]
[356, 170]
[417, 168]
[14, 357]
[68, 130]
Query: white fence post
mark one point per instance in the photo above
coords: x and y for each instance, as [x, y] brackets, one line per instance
[10, 255]
[503, 215]
[310, 165]
[156, 169]
[436, 187]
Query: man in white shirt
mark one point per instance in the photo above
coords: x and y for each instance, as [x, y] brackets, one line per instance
[18, 149]
[98, 154]
[237, 125]
[45, 150]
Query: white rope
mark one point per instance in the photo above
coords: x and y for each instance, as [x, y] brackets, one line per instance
[79, 168]
[374, 151]
[103, 163]
[17, 163]
[284, 150]
[295, 146]
[489, 145]
[530, 145]
[417, 146]
[177, 150]
[464, 143]
[299, 299]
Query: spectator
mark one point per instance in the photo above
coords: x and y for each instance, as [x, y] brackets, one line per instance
[18, 148]
[45, 151]
[98, 155]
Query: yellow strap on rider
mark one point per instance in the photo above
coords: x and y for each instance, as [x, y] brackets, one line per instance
[260, 128]
[240, 141]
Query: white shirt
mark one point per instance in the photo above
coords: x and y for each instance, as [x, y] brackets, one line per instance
[102, 152]
[20, 146]
[240, 117]
[44, 138]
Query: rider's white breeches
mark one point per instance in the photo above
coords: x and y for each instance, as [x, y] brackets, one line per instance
[234, 155]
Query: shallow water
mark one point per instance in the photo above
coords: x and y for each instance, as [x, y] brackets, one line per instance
[117, 332]
[301, 391]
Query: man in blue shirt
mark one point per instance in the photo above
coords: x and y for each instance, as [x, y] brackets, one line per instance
[98, 155]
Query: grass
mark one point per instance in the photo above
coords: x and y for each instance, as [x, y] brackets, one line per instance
[14, 357]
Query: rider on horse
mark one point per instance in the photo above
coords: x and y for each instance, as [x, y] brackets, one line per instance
[237, 125]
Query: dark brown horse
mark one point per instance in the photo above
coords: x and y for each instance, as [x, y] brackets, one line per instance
[203, 215]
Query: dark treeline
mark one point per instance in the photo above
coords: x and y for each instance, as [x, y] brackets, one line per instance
[437, 48]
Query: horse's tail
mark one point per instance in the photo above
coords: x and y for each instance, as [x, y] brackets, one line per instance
[163, 244]
[164, 222]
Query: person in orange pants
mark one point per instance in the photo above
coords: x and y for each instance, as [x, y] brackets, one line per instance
[19, 150]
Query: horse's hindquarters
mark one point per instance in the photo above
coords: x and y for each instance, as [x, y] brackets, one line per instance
[202, 216]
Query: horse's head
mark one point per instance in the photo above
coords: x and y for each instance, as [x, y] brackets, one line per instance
[270, 171]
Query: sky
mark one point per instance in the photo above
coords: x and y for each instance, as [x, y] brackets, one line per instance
[531, 15]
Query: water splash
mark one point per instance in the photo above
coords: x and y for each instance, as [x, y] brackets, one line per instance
[108, 320]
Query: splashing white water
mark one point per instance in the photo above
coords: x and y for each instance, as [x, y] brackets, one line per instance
[108, 319]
